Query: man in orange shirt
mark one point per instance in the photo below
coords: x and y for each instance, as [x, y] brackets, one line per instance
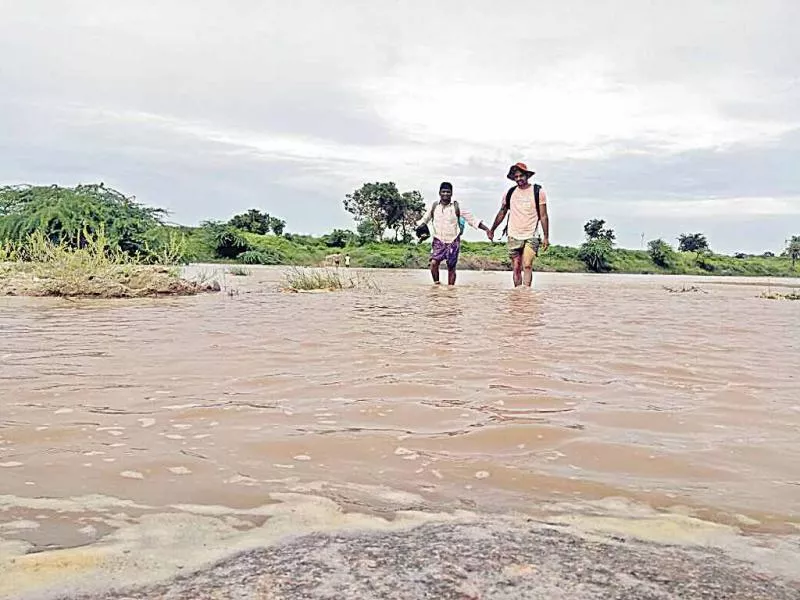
[526, 206]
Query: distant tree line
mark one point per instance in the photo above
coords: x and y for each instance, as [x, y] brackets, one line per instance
[68, 215]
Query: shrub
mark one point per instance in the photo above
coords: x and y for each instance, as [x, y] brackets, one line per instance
[260, 257]
[661, 253]
[596, 254]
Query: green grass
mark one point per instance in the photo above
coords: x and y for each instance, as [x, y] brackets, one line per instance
[308, 251]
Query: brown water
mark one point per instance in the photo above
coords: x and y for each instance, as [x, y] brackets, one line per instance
[478, 396]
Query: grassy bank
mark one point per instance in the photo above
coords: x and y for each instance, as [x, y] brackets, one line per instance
[40, 267]
[300, 250]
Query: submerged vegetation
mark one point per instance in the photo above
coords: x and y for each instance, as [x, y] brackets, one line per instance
[310, 280]
[39, 266]
[794, 295]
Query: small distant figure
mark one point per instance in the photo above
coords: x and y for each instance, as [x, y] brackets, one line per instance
[336, 261]
[447, 220]
[347, 261]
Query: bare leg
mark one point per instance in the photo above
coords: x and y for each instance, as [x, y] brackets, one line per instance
[528, 255]
[516, 263]
[435, 270]
[451, 276]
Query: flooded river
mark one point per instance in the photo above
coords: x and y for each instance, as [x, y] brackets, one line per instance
[587, 390]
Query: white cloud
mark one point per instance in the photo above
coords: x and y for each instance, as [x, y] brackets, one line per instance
[324, 98]
[728, 208]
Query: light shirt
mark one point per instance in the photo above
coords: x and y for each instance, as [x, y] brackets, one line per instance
[445, 222]
[523, 221]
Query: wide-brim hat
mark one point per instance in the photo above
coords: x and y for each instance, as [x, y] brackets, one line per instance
[519, 167]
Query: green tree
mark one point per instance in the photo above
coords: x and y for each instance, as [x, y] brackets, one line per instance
[385, 207]
[368, 231]
[369, 203]
[68, 215]
[596, 251]
[338, 238]
[413, 209]
[692, 242]
[661, 253]
[595, 229]
[793, 249]
[226, 240]
[253, 221]
[277, 225]
[596, 254]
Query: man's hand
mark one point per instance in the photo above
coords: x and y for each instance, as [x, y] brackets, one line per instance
[545, 244]
[490, 235]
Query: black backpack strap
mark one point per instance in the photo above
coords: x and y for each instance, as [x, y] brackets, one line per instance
[536, 188]
[507, 208]
[508, 197]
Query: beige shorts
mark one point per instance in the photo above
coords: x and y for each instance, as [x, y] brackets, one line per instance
[516, 247]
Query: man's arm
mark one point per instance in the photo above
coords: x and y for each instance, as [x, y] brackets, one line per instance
[426, 217]
[545, 219]
[501, 214]
[475, 223]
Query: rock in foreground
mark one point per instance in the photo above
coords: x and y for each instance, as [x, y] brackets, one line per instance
[461, 561]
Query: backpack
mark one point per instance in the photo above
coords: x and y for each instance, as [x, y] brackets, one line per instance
[507, 205]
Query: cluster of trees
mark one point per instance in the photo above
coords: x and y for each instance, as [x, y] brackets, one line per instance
[227, 241]
[70, 215]
[259, 222]
[596, 251]
[378, 207]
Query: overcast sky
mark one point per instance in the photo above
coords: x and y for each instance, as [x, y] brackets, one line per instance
[660, 116]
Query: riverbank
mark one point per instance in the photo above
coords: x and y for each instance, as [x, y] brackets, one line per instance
[129, 281]
[297, 250]
[41, 267]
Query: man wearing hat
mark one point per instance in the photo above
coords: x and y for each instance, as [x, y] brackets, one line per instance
[526, 206]
[446, 218]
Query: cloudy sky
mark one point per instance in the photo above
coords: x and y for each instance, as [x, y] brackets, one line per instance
[660, 116]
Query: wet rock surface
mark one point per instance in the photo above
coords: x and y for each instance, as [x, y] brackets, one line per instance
[461, 561]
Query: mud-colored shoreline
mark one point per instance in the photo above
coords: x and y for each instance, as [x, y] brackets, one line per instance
[493, 558]
[118, 281]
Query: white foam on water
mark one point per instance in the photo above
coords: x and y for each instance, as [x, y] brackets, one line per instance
[22, 524]
[180, 470]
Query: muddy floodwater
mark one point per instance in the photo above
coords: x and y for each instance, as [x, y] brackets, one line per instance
[590, 391]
